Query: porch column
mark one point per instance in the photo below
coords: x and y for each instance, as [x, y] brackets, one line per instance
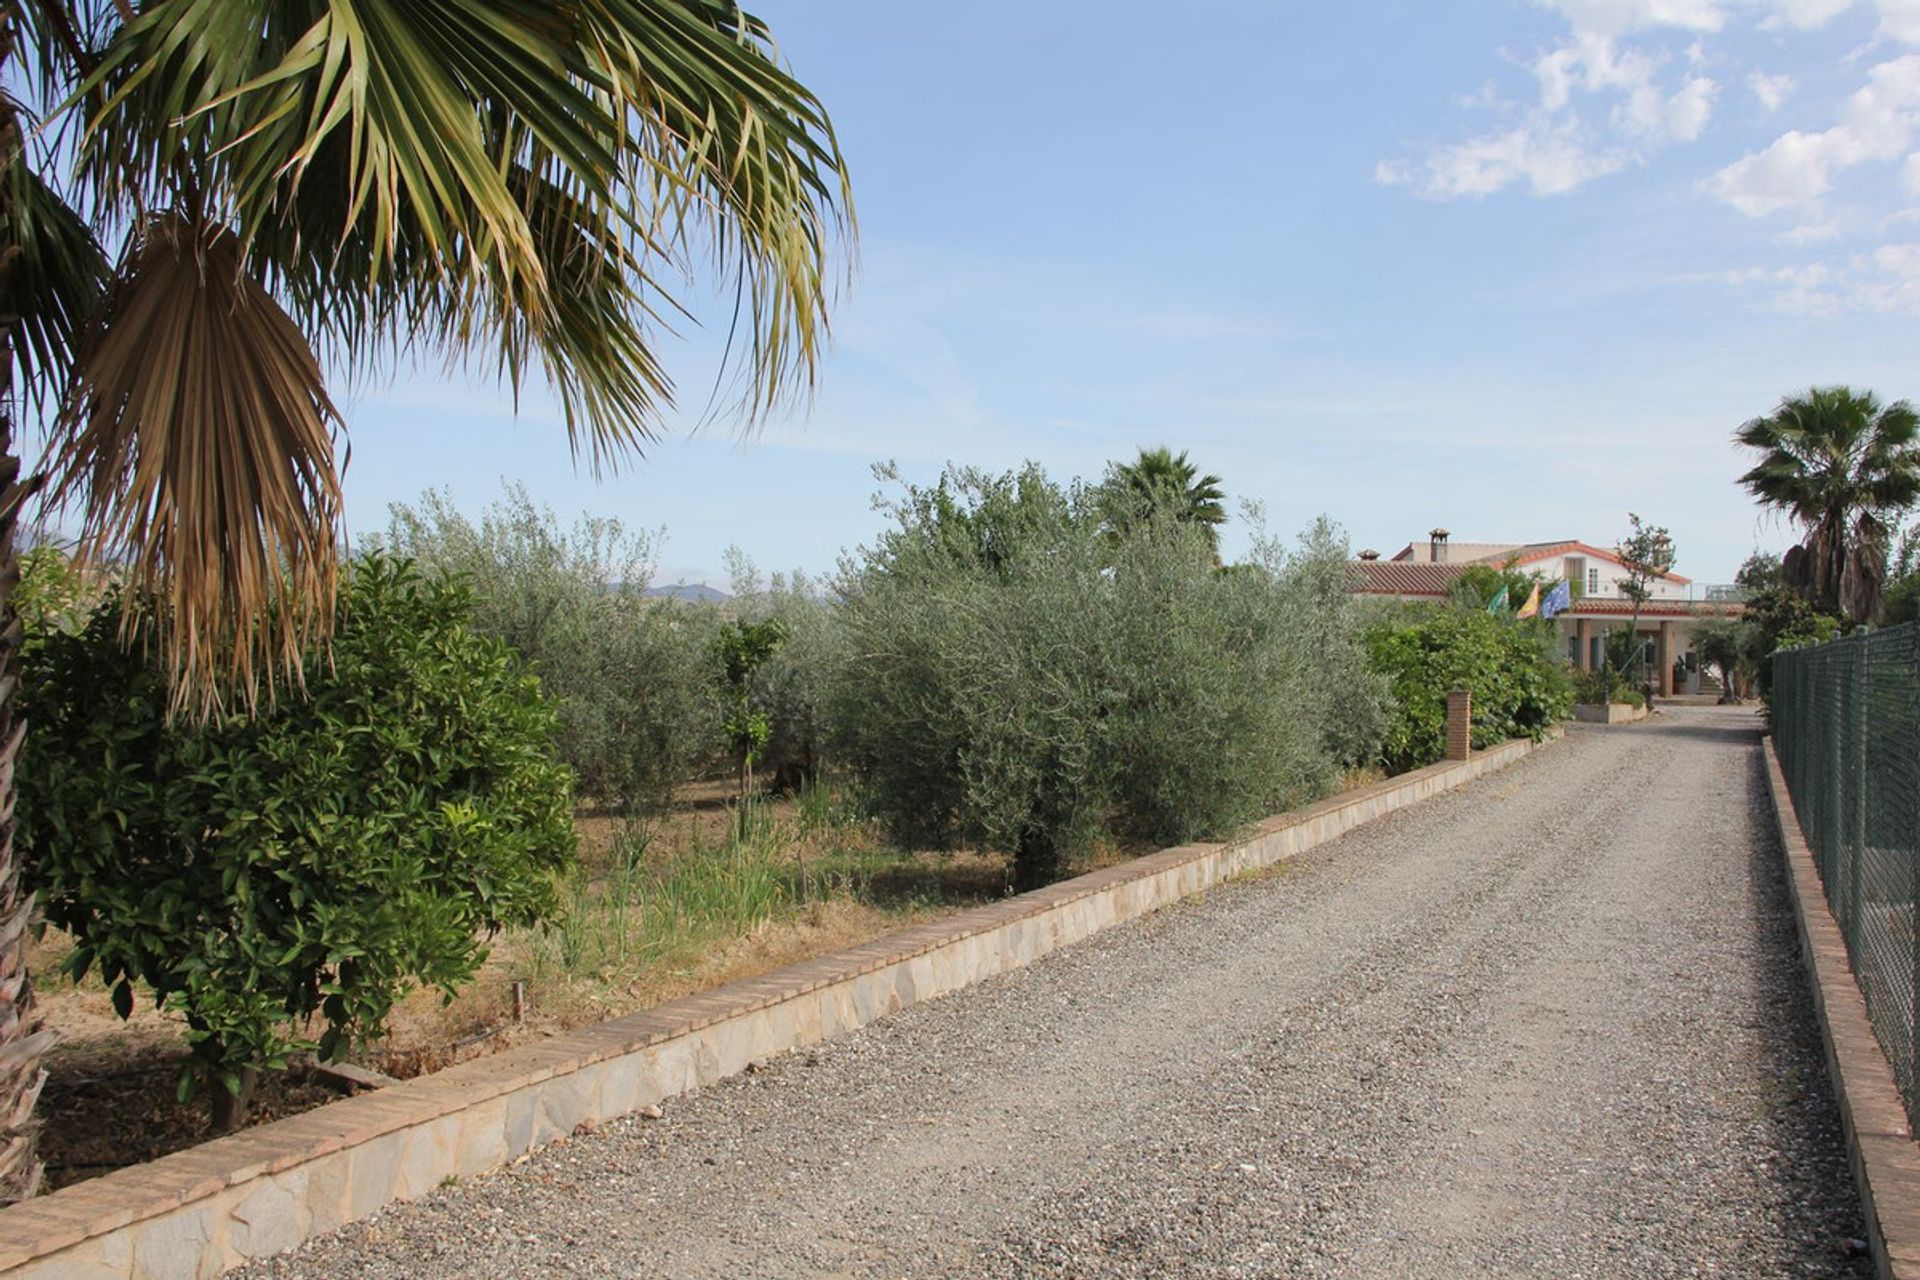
[1583, 644]
[1665, 650]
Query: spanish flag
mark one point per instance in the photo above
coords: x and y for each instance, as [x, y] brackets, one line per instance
[1532, 606]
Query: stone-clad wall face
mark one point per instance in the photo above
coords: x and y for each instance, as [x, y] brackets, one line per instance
[257, 1193]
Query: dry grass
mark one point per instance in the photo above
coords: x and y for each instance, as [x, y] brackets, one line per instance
[655, 912]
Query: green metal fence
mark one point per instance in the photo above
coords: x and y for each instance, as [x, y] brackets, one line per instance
[1846, 724]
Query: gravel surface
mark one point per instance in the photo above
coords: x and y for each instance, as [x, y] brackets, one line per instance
[1550, 1025]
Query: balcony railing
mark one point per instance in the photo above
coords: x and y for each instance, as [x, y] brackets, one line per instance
[1694, 593]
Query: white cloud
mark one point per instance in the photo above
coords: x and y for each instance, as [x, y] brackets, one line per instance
[1680, 117]
[1558, 143]
[1611, 18]
[1628, 79]
[1791, 172]
[1900, 20]
[1885, 281]
[1549, 157]
[1889, 279]
[1797, 169]
[1803, 15]
[1806, 289]
[1770, 90]
[1810, 233]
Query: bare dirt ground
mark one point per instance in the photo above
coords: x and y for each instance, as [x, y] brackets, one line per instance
[1552, 1025]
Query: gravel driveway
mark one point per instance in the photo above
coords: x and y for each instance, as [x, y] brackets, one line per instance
[1550, 1025]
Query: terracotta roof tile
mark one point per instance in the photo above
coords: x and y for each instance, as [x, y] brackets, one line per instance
[1406, 577]
[1459, 552]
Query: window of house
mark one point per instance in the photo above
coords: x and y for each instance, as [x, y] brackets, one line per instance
[1593, 582]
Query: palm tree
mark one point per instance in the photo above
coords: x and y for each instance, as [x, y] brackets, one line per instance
[1844, 467]
[1161, 484]
[297, 186]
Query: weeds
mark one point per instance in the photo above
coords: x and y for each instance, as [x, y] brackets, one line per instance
[663, 900]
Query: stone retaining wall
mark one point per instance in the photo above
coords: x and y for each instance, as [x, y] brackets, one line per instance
[1608, 713]
[255, 1193]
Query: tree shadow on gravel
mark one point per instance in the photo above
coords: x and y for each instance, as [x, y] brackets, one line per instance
[1736, 733]
[1817, 1201]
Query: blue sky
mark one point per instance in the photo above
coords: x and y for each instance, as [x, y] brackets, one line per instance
[1511, 267]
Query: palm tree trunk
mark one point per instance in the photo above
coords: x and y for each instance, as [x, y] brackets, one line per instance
[23, 1042]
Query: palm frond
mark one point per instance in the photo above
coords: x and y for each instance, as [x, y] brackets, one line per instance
[368, 151]
[197, 441]
[53, 273]
[744, 152]
[506, 179]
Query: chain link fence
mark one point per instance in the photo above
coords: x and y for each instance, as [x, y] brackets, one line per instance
[1846, 725]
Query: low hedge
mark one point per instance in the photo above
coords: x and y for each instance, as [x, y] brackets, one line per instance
[1519, 687]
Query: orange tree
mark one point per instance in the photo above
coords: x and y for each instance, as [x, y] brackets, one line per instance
[206, 204]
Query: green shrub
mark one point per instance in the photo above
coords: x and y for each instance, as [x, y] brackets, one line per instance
[740, 649]
[1020, 679]
[53, 594]
[971, 708]
[1322, 621]
[1602, 686]
[1780, 619]
[311, 861]
[629, 675]
[792, 685]
[1519, 689]
[1240, 692]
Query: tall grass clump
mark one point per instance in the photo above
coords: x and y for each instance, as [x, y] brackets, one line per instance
[628, 674]
[647, 905]
[1025, 673]
[657, 903]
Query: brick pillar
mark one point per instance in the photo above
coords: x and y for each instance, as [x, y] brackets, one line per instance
[1459, 724]
[1583, 632]
[1664, 650]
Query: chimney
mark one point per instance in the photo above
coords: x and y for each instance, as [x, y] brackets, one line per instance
[1437, 548]
[1369, 554]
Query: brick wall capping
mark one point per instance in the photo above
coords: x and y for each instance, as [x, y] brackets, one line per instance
[1880, 1145]
[266, 1188]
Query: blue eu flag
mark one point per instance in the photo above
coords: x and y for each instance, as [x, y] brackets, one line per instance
[1559, 600]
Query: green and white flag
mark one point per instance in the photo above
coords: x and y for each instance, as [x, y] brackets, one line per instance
[1498, 605]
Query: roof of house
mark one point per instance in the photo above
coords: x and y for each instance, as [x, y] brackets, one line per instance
[1461, 554]
[1404, 578]
[1458, 552]
[1414, 580]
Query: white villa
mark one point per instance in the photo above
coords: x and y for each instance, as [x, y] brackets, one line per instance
[1427, 570]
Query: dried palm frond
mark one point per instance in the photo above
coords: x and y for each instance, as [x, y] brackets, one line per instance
[197, 440]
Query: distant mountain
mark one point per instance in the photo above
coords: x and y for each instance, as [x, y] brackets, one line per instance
[693, 592]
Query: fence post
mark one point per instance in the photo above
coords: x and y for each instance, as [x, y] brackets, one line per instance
[1459, 724]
